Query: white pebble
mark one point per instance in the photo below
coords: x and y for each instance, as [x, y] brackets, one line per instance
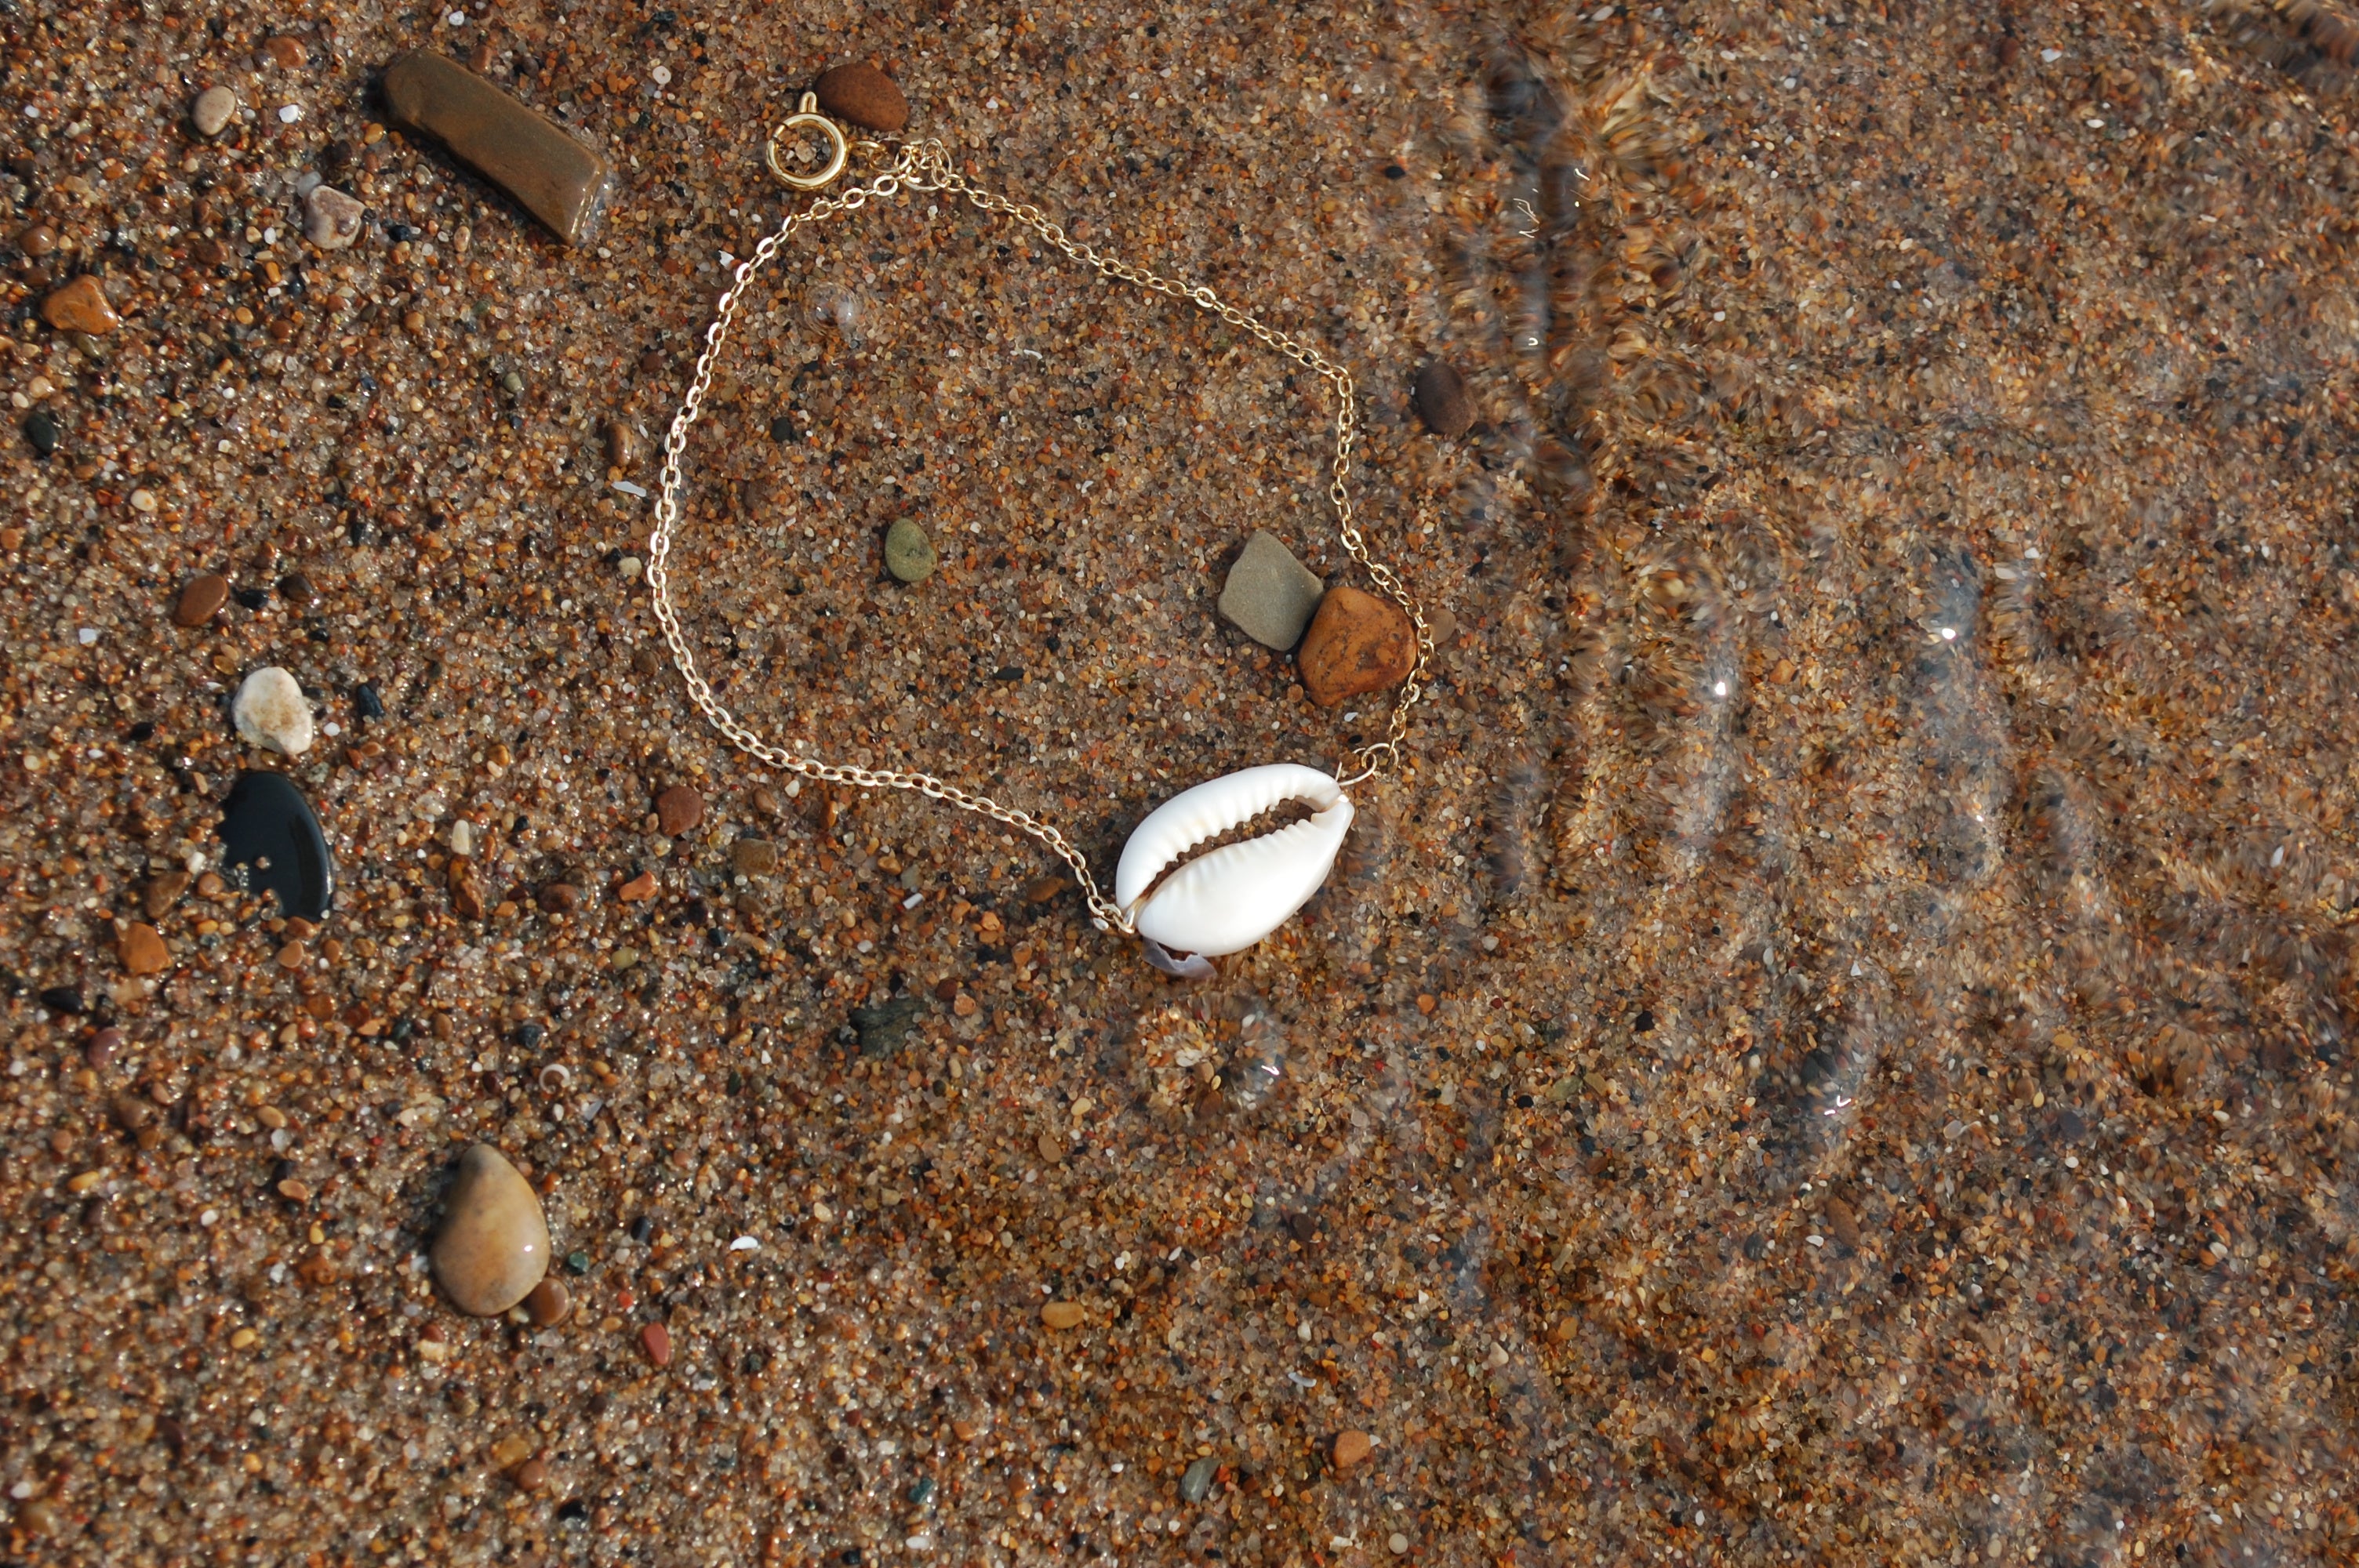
[462, 837]
[87, 635]
[332, 220]
[289, 112]
[215, 107]
[272, 712]
[743, 1244]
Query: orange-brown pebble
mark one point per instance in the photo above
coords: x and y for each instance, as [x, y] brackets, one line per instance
[200, 599]
[162, 892]
[1061, 1315]
[864, 96]
[1351, 1447]
[294, 955]
[965, 1431]
[1357, 643]
[286, 53]
[142, 949]
[81, 305]
[656, 1341]
[532, 1475]
[638, 890]
[549, 1305]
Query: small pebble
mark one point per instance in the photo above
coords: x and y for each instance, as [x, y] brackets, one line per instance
[548, 168]
[753, 856]
[657, 1340]
[1397, 1544]
[622, 445]
[141, 947]
[103, 1046]
[549, 1305]
[332, 220]
[559, 898]
[367, 703]
[297, 589]
[782, 429]
[1442, 401]
[1270, 595]
[272, 712]
[1197, 1479]
[908, 553]
[531, 1475]
[1351, 1447]
[201, 600]
[462, 837]
[1052, 1148]
[294, 955]
[286, 53]
[493, 1248]
[38, 241]
[41, 432]
[1061, 1315]
[1357, 643]
[212, 110]
[638, 890]
[921, 1490]
[81, 305]
[679, 809]
[864, 96]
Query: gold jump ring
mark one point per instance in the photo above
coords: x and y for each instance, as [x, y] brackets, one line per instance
[807, 115]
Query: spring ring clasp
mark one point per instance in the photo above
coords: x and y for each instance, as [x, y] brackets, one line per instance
[808, 117]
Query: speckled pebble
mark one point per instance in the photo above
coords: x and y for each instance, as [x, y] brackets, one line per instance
[332, 220]
[212, 110]
[1357, 643]
[272, 712]
[677, 810]
[1352, 1446]
[908, 553]
[1442, 401]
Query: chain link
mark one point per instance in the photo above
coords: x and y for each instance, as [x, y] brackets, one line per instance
[926, 167]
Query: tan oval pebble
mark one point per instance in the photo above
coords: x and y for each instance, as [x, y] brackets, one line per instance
[494, 1245]
[1351, 1447]
[212, 110]
[141, 947]
[81, 305]
[1061, 1315]
[1357, 643]
[622, 445]
[549, 1304]
[201, 598]
[532, 1475]
[864, 96]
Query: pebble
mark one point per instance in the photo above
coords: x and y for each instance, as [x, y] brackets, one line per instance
[656, 1339]
[286, 53]
[753, 856]
[1062, 1315]
[1270, 596]
[1351, 1447]
[532, 1475]
[200, 599]
[1197, 1479]
[142, 950]
[100, 1052]
[212, 110]
[908, 553]
[272, 712]
[162, 892]
[559, 898]
[298, 590]
[41, 432]
[1357, 643]
[367, 703]
[1397, 1544]
[549, 1305]
[81, 305]
[678, 810]
[332, 220]
[638, 890]
[884, 1027]
[38, 241]
[1441, 400]
[552, 174]
[493, 1248]
[864, 96]
[622, 445]
[294, 955]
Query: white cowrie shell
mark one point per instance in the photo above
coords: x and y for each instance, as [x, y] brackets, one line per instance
[1231, 899]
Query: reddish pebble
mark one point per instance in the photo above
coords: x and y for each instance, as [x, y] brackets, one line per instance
[531, 1475]
[639, 888]
[1357, 643]
[81, 305]
[103, 1046]
[1351, 1447]
[142, 949]
[864, 96]
[678, 810]
[656, 1338]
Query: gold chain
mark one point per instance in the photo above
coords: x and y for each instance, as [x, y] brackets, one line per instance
[926, 167]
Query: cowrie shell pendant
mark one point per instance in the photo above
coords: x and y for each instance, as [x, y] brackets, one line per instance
[1226, 901]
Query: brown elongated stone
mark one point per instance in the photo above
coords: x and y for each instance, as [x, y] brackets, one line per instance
[556, 176]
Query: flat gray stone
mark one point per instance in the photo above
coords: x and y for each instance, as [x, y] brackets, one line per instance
[1270, 596]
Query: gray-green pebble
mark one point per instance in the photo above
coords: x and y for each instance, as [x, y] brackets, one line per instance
[908, 554]
[1197, 1480]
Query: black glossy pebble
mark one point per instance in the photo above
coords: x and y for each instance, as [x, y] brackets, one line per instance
[276, 843]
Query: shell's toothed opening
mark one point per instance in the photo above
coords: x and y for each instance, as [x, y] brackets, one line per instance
[1285, 813]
